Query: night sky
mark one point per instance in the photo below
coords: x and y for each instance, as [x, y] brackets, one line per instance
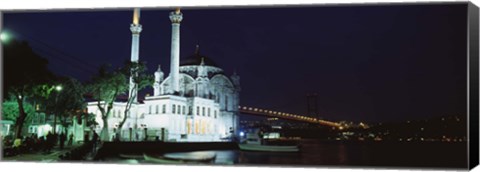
[367, 63]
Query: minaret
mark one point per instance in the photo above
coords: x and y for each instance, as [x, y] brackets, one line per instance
[236, 80]
[176, 18]
[136, 28]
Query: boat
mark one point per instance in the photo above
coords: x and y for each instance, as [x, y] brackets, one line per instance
[179, 158]
[196, 156]
[161, 160]
[254, 143]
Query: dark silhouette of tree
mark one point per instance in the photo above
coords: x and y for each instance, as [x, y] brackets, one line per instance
[68, 102]
[23, 71]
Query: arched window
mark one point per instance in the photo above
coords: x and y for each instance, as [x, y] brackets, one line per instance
[208, 112]
[198, 110]
[173, 108]
[150, 109]
[164, 108]
[226, 102]
[183, 109]
[203, 111]
[156, 109]
[214, 113]
[114, 113]
[178, 109]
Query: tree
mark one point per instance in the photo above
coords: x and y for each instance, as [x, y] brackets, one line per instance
[23, 71]
[67, 102]
[10, 109]
[140, 80]
[105, 87]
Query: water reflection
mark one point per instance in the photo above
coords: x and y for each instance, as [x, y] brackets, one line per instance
[320, 153]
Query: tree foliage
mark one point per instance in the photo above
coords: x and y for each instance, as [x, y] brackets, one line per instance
[67, 102]
[140, 80]
[108, 84]
[105, 86]
[24, 70]
[10, 110]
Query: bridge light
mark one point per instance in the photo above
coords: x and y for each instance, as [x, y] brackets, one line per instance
[244, 108]
[255, 109]
[249, 108]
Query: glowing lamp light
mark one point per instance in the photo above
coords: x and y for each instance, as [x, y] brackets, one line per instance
[242, 134]
[4, 37]
[58, 88]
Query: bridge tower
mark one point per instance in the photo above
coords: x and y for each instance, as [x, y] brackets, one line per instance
[312, 105]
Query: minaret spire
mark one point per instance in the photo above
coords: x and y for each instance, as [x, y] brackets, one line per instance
[136, 28]
[136, 16]
[175, 17]
[197, 50]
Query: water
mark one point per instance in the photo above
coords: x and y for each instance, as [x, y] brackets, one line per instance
[354, 154]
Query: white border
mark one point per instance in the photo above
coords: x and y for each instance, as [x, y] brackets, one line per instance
[89, 4]
[22, 5]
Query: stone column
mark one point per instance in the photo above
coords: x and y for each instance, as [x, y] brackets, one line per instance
[175, 18]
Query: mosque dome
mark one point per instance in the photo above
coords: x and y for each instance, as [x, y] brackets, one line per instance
[196, 59]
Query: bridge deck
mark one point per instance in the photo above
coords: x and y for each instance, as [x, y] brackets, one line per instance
[287, 116]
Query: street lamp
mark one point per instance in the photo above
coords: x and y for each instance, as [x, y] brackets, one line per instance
[58, 88]
[4, 36]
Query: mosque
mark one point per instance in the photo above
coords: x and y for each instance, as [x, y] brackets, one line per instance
[196, 102]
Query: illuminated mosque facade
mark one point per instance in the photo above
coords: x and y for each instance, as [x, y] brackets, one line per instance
[196, 102]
